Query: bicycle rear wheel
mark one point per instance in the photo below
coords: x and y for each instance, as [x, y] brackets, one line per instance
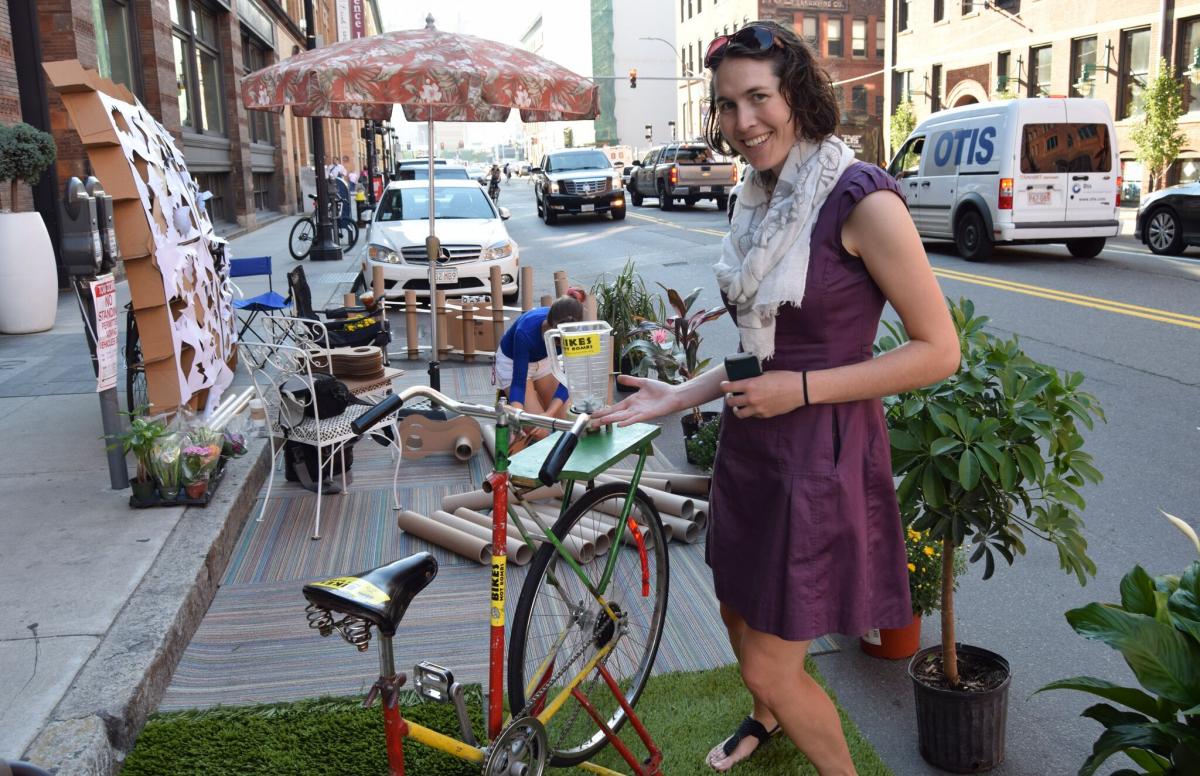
[137, 391]
[347, 235]
[556, 608]
[300, 241]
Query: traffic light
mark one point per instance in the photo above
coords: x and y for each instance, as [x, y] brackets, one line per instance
[633, 78]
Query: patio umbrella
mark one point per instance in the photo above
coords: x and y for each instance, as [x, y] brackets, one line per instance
[434, 76]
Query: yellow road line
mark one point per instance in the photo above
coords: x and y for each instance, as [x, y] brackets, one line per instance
[663, 222]
[1096, 303]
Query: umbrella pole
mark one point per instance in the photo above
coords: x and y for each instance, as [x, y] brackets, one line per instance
[432, 251]
[324, 248]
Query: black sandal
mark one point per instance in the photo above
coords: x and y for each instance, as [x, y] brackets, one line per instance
[748, 727]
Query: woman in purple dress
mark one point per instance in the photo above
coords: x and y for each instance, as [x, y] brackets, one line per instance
[805, 536]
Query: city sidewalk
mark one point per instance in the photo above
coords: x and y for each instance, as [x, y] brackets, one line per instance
[100, 599]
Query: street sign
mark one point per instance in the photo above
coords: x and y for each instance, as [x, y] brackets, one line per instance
[104, 302]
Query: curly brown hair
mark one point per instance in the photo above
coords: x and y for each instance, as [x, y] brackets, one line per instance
[805, 85]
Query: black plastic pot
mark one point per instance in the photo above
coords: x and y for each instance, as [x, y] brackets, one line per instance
[625, 367]
[961, 732]
[690, 427]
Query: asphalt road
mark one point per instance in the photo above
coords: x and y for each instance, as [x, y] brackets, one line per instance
[1128, 320]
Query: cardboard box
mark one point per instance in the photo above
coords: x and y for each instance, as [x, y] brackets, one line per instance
[154, 334]
[145, 282]
[134, 237]
[162, 381]
[111, 167]
[484, 338]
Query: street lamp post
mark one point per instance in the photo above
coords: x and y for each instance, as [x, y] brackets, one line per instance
[688, 124]
[323, 248]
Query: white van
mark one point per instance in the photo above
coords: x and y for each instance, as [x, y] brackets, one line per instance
[1042, 170]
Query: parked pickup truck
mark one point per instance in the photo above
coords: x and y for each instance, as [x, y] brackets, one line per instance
[682, 171]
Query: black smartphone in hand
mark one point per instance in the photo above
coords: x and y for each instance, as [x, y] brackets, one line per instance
[742, 366]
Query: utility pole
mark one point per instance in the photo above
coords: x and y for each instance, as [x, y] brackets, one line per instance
[324, 248]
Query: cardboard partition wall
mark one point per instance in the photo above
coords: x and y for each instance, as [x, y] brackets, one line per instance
[176, 265]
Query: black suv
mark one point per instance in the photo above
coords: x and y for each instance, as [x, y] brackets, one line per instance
[577, 180]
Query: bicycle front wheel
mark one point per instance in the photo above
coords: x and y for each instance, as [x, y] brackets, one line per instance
[301, 239]
[137, 391]
[347, 235]
[559, 625]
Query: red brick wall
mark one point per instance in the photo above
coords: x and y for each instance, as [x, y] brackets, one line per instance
[67, 32]
[160, 92]
[10, 104]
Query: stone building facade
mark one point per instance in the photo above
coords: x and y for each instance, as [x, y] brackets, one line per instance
[947, 53]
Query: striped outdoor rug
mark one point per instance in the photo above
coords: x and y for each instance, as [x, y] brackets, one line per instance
[254, 644]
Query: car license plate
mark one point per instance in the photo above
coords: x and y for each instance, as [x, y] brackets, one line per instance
[1039, 198]
[705, 189]
[445, 275]
[587, 208]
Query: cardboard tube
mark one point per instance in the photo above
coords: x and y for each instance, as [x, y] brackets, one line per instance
[410, 324]
[547, 492]
[349, 300]
[430, 530]
[526, 289]
[497, 305]
[560, 283]
[701, 519]
[554, 507]
[581, 549]
[700, 505]
[682, 530]
[443, 338]
[463, 449]
[602, 539]
[474, 499]
[546, 300]
[663, 501]
[686, 484]
[468, 333]
[645, 482]
[518, 551]
[377, 284]
[514, 533]
[627, 537]
[488, 432]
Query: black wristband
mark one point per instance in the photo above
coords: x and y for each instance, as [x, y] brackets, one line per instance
[804, 381]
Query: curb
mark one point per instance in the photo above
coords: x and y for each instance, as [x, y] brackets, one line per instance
[100, 716]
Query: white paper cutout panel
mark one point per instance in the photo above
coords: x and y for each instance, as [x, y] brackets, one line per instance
[192, 259]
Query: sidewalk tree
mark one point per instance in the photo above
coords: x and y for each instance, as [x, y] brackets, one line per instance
[25, 153]
[901, 125]
[1157, 135]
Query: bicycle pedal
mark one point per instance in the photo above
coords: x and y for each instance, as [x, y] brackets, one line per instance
[432, 681]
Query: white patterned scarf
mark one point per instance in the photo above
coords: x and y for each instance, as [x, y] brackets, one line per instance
[764, 257]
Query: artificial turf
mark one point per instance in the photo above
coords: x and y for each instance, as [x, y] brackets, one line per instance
[687, 713]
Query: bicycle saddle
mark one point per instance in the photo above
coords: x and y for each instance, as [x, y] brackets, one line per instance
[380, 596]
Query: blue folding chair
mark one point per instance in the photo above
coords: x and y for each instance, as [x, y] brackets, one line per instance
[268, 302]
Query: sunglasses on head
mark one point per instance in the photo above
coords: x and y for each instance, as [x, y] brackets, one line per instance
[751, 37]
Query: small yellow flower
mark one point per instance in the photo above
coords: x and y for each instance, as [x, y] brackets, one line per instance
[928, 551]
[911, 567]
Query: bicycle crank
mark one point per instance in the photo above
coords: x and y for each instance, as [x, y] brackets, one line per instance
[519, 750]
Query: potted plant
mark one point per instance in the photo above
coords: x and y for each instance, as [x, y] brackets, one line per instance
[985, 456]
[198, 462]
[925, 590]
[139, 439]
[165, 464]
[1156, 628]
[701, 448]
[671, 347]
[28, 278]
[622, 302]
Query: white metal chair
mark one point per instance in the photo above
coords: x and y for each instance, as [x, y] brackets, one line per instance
[292, 351]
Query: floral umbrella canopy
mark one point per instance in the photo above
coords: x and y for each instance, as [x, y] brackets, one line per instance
[434, 76]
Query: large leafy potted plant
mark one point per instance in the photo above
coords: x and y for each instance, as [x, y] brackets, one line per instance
[671, 347]
[28, 278]
[622, 302]
[984, 457]
[1156, 628]
[139, 439]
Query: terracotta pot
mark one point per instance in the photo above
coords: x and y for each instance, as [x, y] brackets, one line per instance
[196, 489]
[893, 643]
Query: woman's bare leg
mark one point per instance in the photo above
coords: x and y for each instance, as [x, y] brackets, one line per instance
[736, 626]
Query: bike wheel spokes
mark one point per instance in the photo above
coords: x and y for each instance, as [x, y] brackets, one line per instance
[557, 608]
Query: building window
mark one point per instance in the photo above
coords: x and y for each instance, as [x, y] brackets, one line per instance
[689, 9]
[1189, 42]
[880, 37]
[262, 125]
[197, 67]
[680, 10]
[1135, 70]
[858, 99]
[839, 94]
[833, 36]
[902, 86]
[1040, 59]
[809, 26]
[935, 97]
[1002, 71]
[858, 37]
[263, 186]
[218, 205]
[699, 3]
[1083, 66]
[971, 6]
[902, 20]
[116, 59]
[939, 10]
[879, 105]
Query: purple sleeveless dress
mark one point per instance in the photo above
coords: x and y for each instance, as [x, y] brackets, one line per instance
[804, 537]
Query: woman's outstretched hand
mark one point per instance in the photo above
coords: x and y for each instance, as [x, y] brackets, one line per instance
[653, 400]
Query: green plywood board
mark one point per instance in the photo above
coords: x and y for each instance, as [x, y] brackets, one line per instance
[594, 453]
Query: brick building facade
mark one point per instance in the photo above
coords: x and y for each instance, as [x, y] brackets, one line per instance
[848, 36]
[184, 60]
[948, 53]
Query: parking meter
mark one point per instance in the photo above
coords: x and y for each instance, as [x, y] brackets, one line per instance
[82, 251]
[104, 220]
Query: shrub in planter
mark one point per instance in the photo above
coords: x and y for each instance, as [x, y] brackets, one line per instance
[984, 457]
[1156, 628]
[622, 302]
[139, 439]
[25, 153]
[28, 278]
[702, 445]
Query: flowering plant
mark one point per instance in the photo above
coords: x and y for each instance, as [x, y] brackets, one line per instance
[672, 347]
[165, 454]
[199, 461]
[925, 570]
[233, 445]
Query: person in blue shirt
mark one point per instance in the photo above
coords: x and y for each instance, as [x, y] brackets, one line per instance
[522, 355]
